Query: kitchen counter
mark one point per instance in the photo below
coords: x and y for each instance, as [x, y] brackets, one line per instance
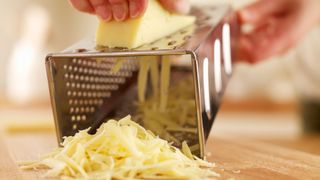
[239, 153]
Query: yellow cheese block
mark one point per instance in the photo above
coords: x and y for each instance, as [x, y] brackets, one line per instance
[153, 25]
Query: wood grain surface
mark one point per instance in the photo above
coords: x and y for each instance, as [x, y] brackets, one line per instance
[235, 158]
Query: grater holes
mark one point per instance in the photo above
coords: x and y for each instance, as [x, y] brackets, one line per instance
[73, 118]
[96, 102]
[74, 126]
[80, 102]
[83, 117]
[85, 70]
[78, 118]
[96, 79]
[65, 67]
[74, 60]
[68, 84]
[91, 79]
[90, 102]
[75, 102]
[69, 93]
[70, 102]
[187, 37]
[183, 31]
[172, 43]
[71, 110]
[81, 78]
[66, 75]
[80, 69]
[76, 110]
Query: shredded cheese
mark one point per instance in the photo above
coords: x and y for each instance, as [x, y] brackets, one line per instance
[179, 114]
[143, 78]
[122, 150]
[165, 82]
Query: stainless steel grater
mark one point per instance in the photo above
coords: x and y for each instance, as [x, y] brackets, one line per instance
[85, 90]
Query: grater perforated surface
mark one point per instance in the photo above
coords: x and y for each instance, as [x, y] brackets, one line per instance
[84, 85]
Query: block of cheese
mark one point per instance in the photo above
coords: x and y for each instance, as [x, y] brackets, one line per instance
[154, 24]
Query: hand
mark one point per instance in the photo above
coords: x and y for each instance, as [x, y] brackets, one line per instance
[277, 26]
[121, 10]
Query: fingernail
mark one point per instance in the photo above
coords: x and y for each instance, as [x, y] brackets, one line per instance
[119, 12]
[134, 9]
[183, 7]
[103, 13]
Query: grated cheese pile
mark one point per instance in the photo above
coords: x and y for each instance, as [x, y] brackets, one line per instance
[122, 150]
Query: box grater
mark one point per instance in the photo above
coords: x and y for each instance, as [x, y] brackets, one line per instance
[85, 90]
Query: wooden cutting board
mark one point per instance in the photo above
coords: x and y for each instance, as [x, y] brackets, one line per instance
[235, 158]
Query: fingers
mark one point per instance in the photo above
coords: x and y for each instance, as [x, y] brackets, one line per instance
[137, 7]
[102, 9]
[82, 5]
[176, 6]
[257, 12]
[120, 9]
[263, 43]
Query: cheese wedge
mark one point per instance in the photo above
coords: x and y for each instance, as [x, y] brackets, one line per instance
[153, 25]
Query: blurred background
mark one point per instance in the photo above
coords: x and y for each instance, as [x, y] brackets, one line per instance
[276, 101]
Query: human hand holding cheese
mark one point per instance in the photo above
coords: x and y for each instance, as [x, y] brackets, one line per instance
[154, 24]
[121, 10]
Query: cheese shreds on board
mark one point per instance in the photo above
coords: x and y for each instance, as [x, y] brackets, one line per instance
[154, 24]
[121, 150]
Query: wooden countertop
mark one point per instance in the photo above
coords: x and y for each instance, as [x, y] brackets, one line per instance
[235, 158]
[242, 146]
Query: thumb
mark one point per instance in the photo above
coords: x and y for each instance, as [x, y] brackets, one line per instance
[176, 6]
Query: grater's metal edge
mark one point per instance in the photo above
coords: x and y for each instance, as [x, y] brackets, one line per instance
[118, 54]
[197, 100]
[49, 71]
